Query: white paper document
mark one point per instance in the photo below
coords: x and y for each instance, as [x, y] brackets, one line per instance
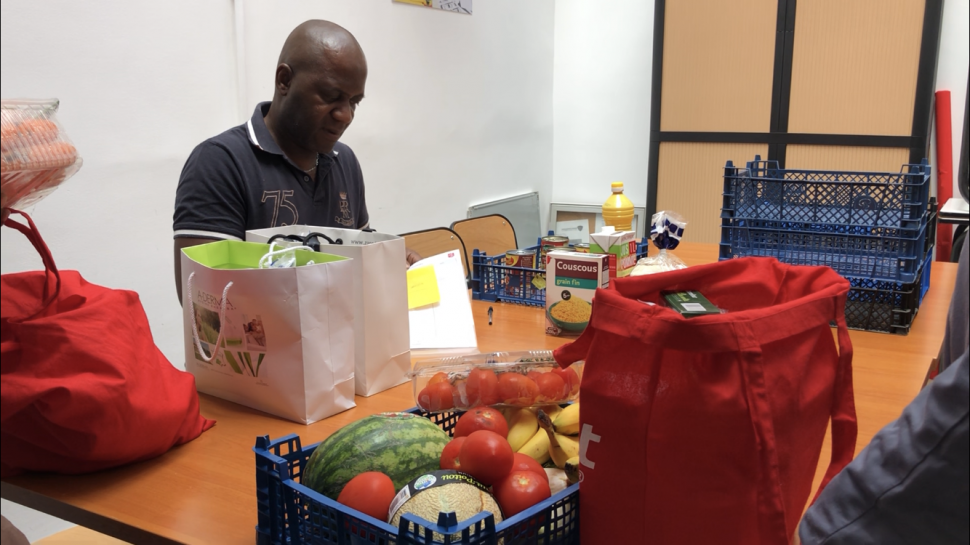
[449, 322]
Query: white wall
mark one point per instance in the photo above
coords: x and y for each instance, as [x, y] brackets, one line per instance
[601, 99]
[457, 108]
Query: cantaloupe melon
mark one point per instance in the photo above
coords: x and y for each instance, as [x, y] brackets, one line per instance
[443, 492]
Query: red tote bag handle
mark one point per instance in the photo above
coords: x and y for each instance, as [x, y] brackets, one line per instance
[845, 426]
[577, 350]
[33, 235]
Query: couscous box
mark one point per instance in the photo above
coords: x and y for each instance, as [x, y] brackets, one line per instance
[571, 280]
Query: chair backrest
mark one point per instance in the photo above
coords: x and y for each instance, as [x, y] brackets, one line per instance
[436, 241]
[493, 234]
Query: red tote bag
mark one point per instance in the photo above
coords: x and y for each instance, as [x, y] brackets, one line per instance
[709, 429]
[84, 387]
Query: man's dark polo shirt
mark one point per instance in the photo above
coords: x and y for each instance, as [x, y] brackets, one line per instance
[240, 180]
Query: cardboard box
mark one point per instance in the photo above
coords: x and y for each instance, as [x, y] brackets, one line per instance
[621, 246]
[571, 281]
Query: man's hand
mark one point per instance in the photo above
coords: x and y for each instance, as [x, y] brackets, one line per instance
[412, 256]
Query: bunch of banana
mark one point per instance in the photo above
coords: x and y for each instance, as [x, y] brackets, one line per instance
[525, 435]
[562, 446]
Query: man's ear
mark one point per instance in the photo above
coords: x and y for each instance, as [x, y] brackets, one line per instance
[284, 77]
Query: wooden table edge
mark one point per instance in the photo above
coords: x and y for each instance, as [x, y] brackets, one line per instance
[81, 517]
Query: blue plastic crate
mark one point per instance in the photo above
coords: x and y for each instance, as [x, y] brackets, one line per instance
[288, 512]
[493, 280]
[865, 224]
[883, 253]
[888, 307]
[868, 199]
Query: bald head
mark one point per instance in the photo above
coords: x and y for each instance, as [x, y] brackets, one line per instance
[317, 41]
[320, 81]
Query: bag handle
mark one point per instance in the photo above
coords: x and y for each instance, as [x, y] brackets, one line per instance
[845, 425]
[577, 350]
[33, 235]
[305, 241]
[222, 321]
[316, 246]
[264, 261]
[281, 236]
[771, 505]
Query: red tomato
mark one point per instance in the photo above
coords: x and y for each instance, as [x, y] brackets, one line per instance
[534, 375]
[440, 376]
[482, 387]
[524, 462]
[437, 397]
[520, 490]
[370, 493]
[552, 387]
[450, 455]
[481, 418]
[569, 376]
[516, 389]
[486, 456]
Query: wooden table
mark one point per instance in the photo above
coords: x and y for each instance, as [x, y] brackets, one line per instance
[204, 492]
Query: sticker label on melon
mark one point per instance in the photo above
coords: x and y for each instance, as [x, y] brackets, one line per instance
[431, 480]
[402, 496]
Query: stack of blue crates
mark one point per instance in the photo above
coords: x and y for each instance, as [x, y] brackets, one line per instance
[877, 229]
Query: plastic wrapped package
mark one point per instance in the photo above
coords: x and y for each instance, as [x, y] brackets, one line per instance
[666, 230]
[505, 379]
[36, 155]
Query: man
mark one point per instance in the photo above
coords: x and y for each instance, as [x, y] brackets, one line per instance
[285, 166]
[912, 483]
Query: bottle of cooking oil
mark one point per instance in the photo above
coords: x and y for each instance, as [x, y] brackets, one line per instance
[618, 209]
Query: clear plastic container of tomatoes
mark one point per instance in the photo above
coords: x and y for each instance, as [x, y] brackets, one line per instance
[36, 156]
[498, 379]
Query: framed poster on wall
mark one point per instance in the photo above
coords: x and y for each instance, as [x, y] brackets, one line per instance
[458, 6]
[577, 221]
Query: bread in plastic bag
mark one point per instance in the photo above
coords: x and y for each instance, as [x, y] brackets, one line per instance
[666, 230]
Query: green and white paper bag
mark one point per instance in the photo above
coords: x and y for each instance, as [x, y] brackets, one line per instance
[287, 334]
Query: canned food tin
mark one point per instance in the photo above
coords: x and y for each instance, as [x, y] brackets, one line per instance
[555, 240]
[582, 248]
[546, 249]
[520, 258]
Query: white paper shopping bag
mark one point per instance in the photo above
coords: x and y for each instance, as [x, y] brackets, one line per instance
[277, 339]
[381, 334]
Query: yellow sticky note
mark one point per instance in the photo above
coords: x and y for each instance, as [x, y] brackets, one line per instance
[422, 287]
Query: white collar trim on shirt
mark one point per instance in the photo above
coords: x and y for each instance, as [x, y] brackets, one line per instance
[252, 134]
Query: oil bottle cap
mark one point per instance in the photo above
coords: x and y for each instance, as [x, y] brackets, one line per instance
[617, 187]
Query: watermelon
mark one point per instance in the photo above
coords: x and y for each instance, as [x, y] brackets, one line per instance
[400, 445]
